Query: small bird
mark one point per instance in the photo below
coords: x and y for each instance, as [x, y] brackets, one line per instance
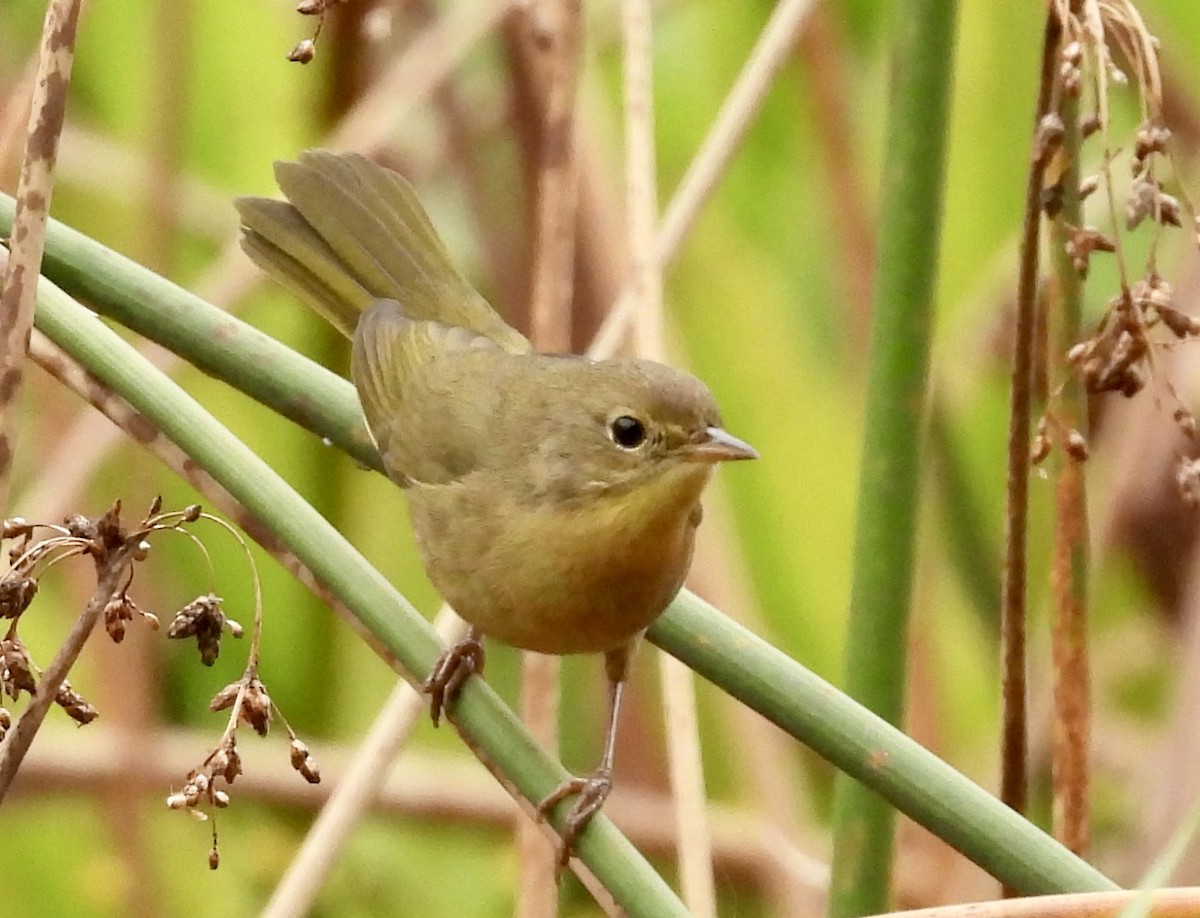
[554, 498]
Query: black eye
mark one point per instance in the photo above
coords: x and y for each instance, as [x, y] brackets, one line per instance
[627, 432]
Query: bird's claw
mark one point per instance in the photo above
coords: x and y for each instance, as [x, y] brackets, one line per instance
[450, 671]
[589, 792]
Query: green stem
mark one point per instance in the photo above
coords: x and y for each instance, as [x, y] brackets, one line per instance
[812, 710]
[902, 319]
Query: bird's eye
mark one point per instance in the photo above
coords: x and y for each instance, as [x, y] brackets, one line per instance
[627, 432]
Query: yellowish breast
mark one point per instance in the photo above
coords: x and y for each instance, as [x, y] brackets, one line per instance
[560, 578]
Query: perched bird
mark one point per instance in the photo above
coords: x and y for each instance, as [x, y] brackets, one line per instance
[554, 498]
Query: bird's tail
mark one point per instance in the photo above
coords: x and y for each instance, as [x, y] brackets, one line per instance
[352, 232]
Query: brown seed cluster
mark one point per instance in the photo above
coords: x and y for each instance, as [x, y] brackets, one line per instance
[205, 620]
[37, 547]
[1119, 356]
[78, 707]
[249, 703]
[253, 703]
[306, 50]
[121, 609]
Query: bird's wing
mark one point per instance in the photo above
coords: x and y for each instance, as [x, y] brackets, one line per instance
[425, 392]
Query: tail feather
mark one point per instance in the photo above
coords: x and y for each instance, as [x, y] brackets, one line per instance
[279, 241]
[352, 232]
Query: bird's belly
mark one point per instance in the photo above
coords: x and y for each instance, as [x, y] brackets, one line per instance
[553, 581]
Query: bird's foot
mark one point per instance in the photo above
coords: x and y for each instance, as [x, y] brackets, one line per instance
[451, 671]
[589, 792]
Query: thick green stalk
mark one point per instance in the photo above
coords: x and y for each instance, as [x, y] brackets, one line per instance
[916, 781]
[902, 319]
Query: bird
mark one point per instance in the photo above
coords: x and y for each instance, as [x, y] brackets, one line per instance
[554, 498]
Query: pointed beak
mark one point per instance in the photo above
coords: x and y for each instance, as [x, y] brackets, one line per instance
[720, 446]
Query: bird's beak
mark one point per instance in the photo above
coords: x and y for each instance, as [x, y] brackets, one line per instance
[720, 446]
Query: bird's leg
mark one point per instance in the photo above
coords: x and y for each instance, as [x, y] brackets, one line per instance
[451, 670]
[590, 791]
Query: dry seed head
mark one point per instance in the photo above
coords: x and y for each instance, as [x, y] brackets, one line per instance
[1084, 241]
[1187, 479]
[304, 52]
[1076, 445]
[1088, 186]
[1049, 137]
[1169, 212]
[1152, 291]
[1071, 77]
[303, 761]
[117, 611]
[1150, 139]
[225, 697]
[1181, 325]
[16, 593]
[17, 527]
[309, 770]
[80, 526]
[1139, 204]
[218, 761]
[16, 669]
[214, 858]
[233, 767]
[78, 707]
[1089, 126]
[256, 707]
[1041, 444]
[203, 619]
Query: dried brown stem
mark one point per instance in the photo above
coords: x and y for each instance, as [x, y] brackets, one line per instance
[556, 31]
[1166, 903]
[356, 792]
[110, 579]
[1014, 751]
[537, 888]
[557, 181]
[171, 48]
[684, 753]
[641, 178]
[424, 66]
[34, 191]
[1067, 414]
[729, 129]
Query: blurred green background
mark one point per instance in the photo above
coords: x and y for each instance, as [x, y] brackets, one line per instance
[177, 107]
